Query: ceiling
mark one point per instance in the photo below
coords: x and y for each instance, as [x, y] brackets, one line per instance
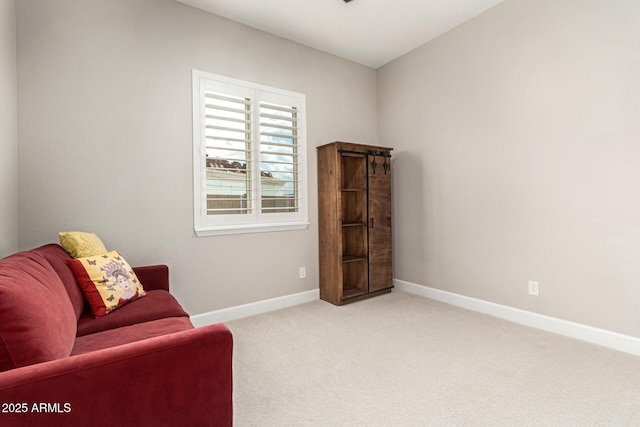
[370, 32]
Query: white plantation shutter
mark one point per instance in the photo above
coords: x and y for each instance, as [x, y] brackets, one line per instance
[249, 157]
[228, 154]
[279, 158]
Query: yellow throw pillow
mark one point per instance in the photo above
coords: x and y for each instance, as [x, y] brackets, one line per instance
[80, 244]
[107, 281]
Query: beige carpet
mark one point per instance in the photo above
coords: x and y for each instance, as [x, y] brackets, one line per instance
[404, 360]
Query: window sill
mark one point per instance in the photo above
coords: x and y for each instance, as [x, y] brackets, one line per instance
[252, 228]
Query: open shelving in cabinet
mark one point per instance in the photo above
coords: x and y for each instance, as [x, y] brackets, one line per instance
[353, 218]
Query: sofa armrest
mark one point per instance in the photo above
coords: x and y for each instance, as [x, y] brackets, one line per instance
[184, 378]
[153, 277]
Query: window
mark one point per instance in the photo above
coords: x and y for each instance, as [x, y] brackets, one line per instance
[249, 157]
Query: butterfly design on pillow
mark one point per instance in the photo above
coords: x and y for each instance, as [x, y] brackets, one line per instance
[91, 262]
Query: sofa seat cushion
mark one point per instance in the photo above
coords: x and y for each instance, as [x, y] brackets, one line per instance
[157, 304]
[37, 320]
[129, 334]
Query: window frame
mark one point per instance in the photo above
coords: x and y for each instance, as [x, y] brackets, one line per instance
[257, 221]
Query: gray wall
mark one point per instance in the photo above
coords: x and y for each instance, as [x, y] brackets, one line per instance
[516, 148]
[517, 141]
[105, 137]
[8, 130]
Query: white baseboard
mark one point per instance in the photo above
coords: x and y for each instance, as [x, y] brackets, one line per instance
[578, 331]
[251, 309]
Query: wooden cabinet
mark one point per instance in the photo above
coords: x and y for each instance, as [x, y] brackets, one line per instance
[354, 210]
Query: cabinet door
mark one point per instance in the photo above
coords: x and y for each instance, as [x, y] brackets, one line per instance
[380, 254]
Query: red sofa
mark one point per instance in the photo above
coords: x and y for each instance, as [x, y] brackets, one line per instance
[143, 364]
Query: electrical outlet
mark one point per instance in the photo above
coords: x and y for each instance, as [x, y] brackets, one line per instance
[534, 288]
[303, 272]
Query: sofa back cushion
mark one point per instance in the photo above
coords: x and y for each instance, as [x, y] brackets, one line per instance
[57, 257]
[37, 320]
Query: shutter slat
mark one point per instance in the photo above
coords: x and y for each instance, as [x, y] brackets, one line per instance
[219, 138]
[273, 162]
[279, 153]
[271, 125]
[227, 119]
[233, 180]
[228, 129]
[277, 144]
[218, 96]
[279, 135]
[278, 107]
[221, 210]
[275, 116]
[236, 150]
[229, 109]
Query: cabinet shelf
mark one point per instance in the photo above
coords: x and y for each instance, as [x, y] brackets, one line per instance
[352, 258]
[353, 224]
